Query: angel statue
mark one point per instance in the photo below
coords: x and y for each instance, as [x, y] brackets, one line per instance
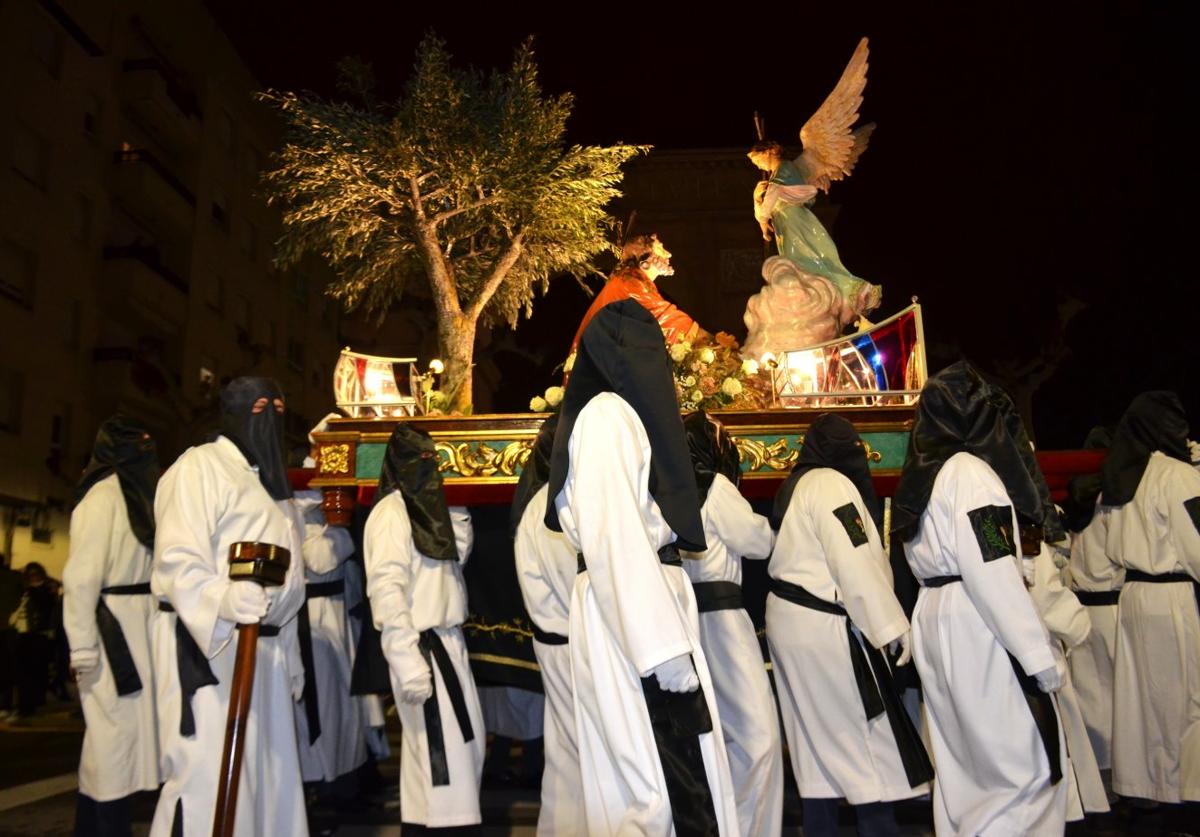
[810, 295]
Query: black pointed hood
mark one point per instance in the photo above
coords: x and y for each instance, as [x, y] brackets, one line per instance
[123, 446]
[534, 474]
[960, 411]
[713, 452]
[1084, 490]
[622, 351]
[1154, 421]
[831, 442]
[410, 466]
[259, 436]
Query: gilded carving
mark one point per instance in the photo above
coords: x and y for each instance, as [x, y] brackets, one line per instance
[480, 459]
[776, 456]
[333, 460]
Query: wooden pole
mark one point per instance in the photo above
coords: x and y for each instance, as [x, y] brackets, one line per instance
[235, 731]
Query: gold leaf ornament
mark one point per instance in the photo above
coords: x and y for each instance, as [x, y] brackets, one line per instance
[480, 459]
[334, 459]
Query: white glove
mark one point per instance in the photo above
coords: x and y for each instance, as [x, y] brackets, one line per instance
[904, 643]
[418, 688]
[244, 602]
[677, 674]
[84, 660]
[1051, 679]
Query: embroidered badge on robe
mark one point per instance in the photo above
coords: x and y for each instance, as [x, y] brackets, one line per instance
[993, 530]
[1193, 510]
[852, 522]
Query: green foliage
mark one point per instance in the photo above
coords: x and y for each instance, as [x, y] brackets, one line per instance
[465, 182]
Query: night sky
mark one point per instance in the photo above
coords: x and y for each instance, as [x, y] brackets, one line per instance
[1025, 154]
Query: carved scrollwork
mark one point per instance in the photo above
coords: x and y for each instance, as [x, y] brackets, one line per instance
[872, 455]
[772, 457]
[333, 460]
[480, 459]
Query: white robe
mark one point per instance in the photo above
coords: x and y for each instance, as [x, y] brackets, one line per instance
[341, 747]
[370, 707]
[1156, 695]
[749, 718]
[1069, 623]
[211, 498]
[1091, 570]
[546, 568]
[836, 751]
[411, 593]
[993, 776]
[120, 744]
[629, 613]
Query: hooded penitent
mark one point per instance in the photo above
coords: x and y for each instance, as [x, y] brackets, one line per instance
[410, 466]
[259, 436]
[831, 442]
[713, 452]
[535, 473]
[622, 352]
[1083, 490]
[1154, 421]
[960, 412]
[124, 447]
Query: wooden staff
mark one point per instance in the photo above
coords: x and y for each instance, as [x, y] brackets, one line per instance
[265, 564]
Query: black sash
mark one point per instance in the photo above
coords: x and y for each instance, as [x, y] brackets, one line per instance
[718, 595]
[547, 637]
[1164, 578]
[434, 652]
[668, 555]
[1041, 705]
[370, 673]
[876, 689]
[321, 590]
[116, 648]
[678, 720]
[1098, 598]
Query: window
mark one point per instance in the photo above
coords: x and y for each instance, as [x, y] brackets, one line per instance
[93, 110]
[225, 132]
[248, 239]
[72, 323]
[60, 434]
[214, 292]
[12, 398]
[220, 208]
[31, 157]
[300, 289]
[46, 44]
[252, 163]
[18, 271]
[295, 354]
[81, 218]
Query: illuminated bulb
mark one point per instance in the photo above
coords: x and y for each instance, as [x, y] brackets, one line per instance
[768, 359]
[436, 366]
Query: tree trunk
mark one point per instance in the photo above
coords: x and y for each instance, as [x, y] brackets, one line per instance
[456, 341]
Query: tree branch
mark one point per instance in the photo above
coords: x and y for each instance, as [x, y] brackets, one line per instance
[499, 273]
[444, 292]
[450, 213]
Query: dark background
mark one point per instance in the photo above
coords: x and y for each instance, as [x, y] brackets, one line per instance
[1030, 158]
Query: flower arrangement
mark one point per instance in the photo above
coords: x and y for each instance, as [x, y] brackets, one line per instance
[547, 401]
[710, 374]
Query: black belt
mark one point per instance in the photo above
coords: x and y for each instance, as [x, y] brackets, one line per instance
[370, 673]
[939, 580]
[668, 555]
[1164, 578]
[314, 590]
[547, 637]
[116, 648]
[873, 676]
[718, 595]
[434, 652]
[1098, 598]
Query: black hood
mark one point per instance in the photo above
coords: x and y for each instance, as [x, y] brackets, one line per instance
[1084, 490]
[1155, 421]
[410, 466]
[961, 412]
[713, 452]
[534, 474]
[831, 442]
[123, 447]
[622, 351]
[259, 436]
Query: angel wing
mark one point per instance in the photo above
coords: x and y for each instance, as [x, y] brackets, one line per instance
[831, 148]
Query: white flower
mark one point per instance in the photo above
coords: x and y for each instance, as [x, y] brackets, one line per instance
[750, 366]
[707, 355]
[697, 396]
[687, 405]
[689, 381]
[679, 351]
[731, 387]
[554, 396]
[436, 366]
[538, 404]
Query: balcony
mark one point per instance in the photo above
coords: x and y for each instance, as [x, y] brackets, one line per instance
[141, 292]
[150, 191]
[161, 102]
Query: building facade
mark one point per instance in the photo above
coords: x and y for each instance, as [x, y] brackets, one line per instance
[135, 253]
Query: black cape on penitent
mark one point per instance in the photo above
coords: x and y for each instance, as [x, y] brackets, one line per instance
[960, 411]
[1154, 421]
[410, 466]
[1084, 490]
[123, 447]
[259, 436]
[622, 352]
[831, 442]
[713, 452]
